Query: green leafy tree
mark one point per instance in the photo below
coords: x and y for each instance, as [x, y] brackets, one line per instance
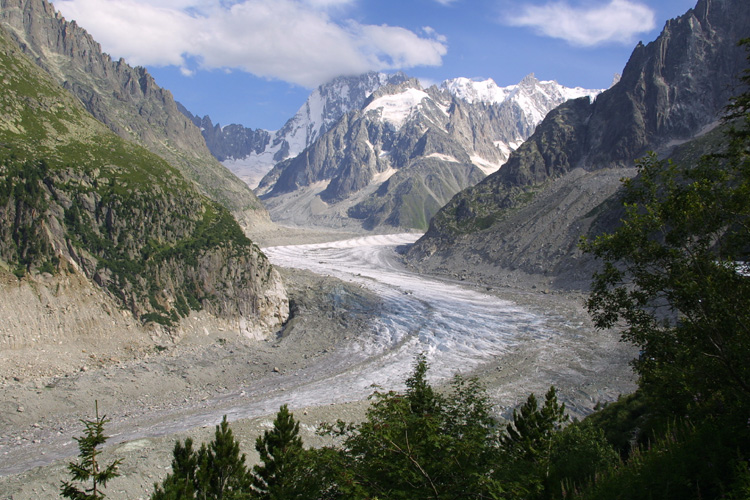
[88, 469]
[579, 452]
[419, 444]
[675, 273]
[676, 279]
[280, 475]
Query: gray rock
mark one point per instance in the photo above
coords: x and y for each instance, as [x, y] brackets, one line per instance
[561, 183]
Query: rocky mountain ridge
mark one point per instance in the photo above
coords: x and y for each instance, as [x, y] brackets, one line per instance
[126, 99]
[251, 153]
[393, 163]
[77, 200]
[671, 91]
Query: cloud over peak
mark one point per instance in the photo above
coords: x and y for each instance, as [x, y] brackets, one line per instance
[618, 21]
[298, 41]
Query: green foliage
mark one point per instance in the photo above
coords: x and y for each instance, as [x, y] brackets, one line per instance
[419, 444]
[529, 435]
[527, 444]
[216, 471]
[626, 423]
[279, 476]
[22, 196]
[673, 272]
[180, 484]
[88, 469]
[138, 220]
[129, 219]
[577, 455]
[675, 277]
[422, 443]
[221, 472]
[685, 462]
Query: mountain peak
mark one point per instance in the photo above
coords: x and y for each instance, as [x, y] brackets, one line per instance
[529, 79]
[672, 90]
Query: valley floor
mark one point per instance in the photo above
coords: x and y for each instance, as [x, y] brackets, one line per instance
[157, 395]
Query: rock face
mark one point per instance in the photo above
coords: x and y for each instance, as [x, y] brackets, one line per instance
[76, 198]
[393, 163]
[230, 141]
[126, 99]
[530, 215]
[251, 153]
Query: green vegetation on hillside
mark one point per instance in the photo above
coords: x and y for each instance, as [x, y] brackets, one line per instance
[675, 275]
[74, 193]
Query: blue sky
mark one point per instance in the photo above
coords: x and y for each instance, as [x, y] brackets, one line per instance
[254, 62]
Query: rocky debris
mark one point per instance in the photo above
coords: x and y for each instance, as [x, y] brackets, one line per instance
[208, 372]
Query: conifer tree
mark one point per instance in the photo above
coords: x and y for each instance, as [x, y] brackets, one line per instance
[527, 445]
[216, 471]
[222, 474]
[529, 435]
[280, 452]
[180, 484]
[88, 469]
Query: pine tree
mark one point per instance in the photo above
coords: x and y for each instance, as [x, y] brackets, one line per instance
[529, 435]
[280, 452]
[180, 484]
[221, 473]
[89, 469]
[215, 472]
[527, 445]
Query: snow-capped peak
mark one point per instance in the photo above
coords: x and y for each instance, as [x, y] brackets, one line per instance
[396, 108]
[327, 104]
[488, 92]
[469, 90]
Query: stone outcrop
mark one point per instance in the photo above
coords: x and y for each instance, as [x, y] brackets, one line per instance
[671, 90]
[393, 163]
[229, 141]
[76, 198]
[126, 99]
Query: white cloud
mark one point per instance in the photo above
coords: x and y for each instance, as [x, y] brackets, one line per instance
[618, 21]
[445, 2]
[297, 41]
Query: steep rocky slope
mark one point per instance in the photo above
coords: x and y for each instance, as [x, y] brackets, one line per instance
[126, 99]
[251, 153]
[529, 216]
[77, 199]
[393, 163]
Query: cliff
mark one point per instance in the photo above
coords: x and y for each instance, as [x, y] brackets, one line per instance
[76, 198]
[529, 215]
[126, 99]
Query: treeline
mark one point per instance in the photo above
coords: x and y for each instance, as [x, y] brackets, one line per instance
[425, 444]
[429, 444]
